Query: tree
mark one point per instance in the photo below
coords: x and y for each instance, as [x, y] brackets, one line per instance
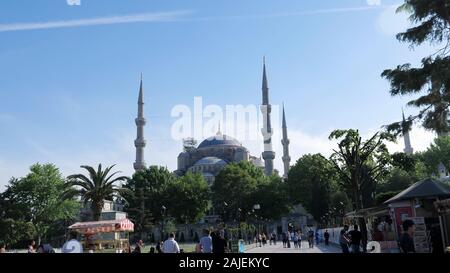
[234, 188]
[189, 198]
[360, 164]
[432, 20]
[100, 185]
[273, 197]
[309, 183]
[36, 199]
[404, 161]
[146, 195]
[438, 153]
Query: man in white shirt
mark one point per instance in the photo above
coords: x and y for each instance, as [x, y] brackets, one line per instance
[72, 246]
[170, 245]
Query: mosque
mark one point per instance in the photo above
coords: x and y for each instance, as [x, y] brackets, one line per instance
[215, 152]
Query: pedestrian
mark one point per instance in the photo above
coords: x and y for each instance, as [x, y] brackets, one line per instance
[355, 239]
[139, 246]
[31, 246]
[288, 240]
[73, 245]
[344, 240]
[326, 236]
[317, 237]
[274, 238]
[170, 245]
[406, 240]
[260, 239]
[284, 239]
[264, 239]
[311, 238]
[91, 243]
[295, 239]
[152, 250]
[158, 247]
[2, 247]
[300, 238]
[45, 248]
[206, 242]
[220, 245]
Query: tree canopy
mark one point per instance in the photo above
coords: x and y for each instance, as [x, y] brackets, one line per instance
[432, 80]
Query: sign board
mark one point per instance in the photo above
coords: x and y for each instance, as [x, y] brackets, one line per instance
[421, 235]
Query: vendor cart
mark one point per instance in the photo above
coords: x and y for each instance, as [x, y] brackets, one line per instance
[99, 235]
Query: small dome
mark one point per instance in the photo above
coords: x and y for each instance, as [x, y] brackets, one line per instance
[258, 162]
[210, 161]
[219, 139]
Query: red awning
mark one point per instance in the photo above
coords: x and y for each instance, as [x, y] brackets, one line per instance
[103, 226]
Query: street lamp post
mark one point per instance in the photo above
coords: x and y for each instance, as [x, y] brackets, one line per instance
[163, 212]
[257, 207]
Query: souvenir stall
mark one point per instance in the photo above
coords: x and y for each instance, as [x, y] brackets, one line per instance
[417, 204]
[104, 234]
[443, 209]
[380, 228]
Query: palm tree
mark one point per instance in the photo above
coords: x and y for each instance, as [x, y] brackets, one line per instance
[95, 188]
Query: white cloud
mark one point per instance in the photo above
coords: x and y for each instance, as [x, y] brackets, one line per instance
[132, 18]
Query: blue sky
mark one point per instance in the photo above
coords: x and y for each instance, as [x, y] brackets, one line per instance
[68, 94]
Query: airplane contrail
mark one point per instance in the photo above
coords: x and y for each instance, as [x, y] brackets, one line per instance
[167, 17]
[132, 18]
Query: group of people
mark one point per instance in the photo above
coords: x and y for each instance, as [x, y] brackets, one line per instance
[296, 238]
[210, 242]
[350, 241]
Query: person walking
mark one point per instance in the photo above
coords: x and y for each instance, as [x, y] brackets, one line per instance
[344, 240]
[220, 244]
[288, 239]
[311, 238]
[72, 245]
[295, 239]
[158, 247]
[326, 236]
[300, 239]
[284, 239]
[31, 246]
[206, 242]
[355, 239]
[170, 245]
[406, 240]
[264, 239]
[2, 247]
[139, 246]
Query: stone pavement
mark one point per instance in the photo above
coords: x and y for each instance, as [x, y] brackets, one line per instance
[278, 248]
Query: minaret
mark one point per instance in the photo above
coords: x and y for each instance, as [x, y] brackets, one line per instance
[408, 148]
[140, 142]
[268, 155]
[285, 142]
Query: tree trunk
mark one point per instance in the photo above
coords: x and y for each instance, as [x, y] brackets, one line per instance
[97, 208]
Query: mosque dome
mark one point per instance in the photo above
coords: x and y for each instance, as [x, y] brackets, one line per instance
[210, 161]
[219, 139]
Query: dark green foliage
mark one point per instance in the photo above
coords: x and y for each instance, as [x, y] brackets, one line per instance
[310, 183]
[99, 186]
[432, 79]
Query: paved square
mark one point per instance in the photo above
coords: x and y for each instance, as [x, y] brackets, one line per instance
[278, 248]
